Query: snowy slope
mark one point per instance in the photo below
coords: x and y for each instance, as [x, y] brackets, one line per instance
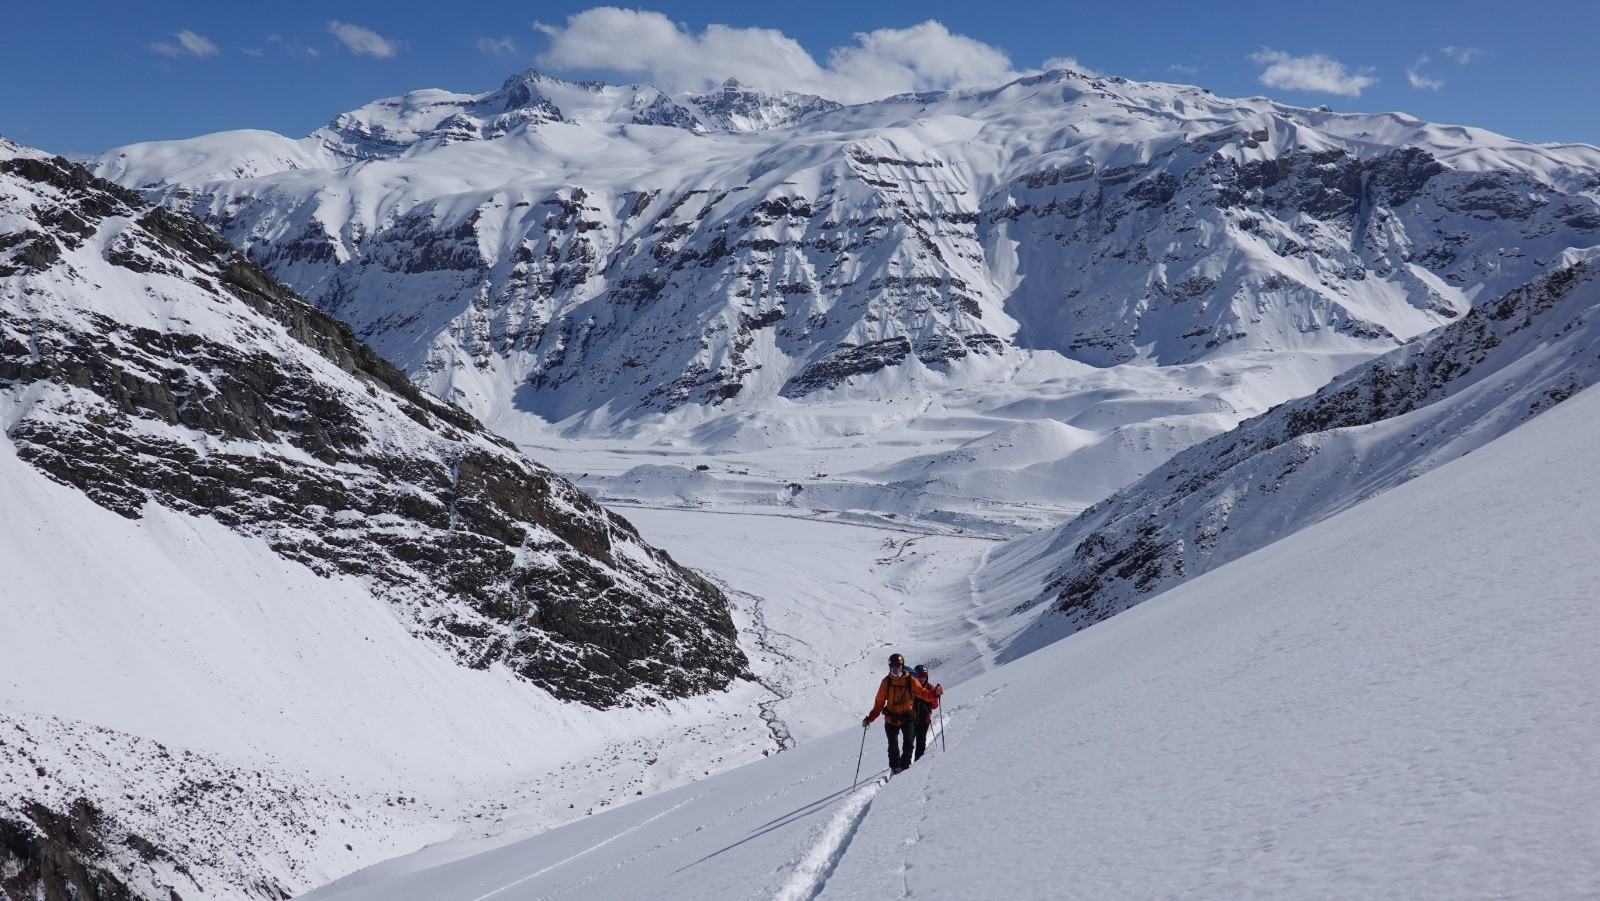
[199, 689]
[1370, 429]
[1396, 702]
[552, 253]
[148, 362]
[256, 588]
[263, 726]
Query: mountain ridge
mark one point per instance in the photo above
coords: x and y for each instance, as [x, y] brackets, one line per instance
[906, 247]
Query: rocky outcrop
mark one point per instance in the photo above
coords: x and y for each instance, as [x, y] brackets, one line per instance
[154, 364]
[48, 855]
[734, 107]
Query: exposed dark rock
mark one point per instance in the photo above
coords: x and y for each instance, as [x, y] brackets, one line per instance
[845, 361]
[492, 555]
[61, 856]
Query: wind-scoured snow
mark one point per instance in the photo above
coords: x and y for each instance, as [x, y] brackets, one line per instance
[1398, 701]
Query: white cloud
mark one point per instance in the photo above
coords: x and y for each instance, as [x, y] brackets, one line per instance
[197, 44]
[363, 41]
[1067, 62]
[1310, 73]
[497, 46]
[924, 57]
[1420, 81]
[1183, 70]
[189, 44]
[1464, 55]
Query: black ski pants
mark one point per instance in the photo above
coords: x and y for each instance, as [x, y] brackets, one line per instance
[900, 740]
[922, 736]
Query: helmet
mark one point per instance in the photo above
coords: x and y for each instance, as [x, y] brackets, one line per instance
[920, 670]
[897, 660]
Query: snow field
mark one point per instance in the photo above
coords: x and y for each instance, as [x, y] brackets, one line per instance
[826, 603]
[176, 630]
[1396, 702]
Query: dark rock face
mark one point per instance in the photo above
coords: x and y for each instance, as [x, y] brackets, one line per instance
[285, 426]
[51, 856]
[848, 360]
[1512, 358]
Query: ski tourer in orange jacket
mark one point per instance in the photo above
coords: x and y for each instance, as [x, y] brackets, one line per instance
[897, 694]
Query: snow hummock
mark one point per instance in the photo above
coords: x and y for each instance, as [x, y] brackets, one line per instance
[1396, 701]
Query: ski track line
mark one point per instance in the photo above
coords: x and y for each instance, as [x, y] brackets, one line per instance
[812, 872]
[566, 860]
[980, 633]
[924, 774]
[748, 805]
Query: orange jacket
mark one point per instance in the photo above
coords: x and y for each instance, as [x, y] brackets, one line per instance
[914, 689]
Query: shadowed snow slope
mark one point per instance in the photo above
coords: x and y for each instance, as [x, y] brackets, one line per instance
[1398, 701]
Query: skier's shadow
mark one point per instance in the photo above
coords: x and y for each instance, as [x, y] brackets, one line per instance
[792, 816]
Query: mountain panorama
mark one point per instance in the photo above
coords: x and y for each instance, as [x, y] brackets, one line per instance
[291, 606]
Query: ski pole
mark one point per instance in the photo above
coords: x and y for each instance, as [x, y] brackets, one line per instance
[863, 750]
[942, 748]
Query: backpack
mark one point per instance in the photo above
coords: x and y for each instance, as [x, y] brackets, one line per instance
[898, 699]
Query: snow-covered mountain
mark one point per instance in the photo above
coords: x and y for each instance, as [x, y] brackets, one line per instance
[226, 518]
[1395, 702]
[1375, 427]
[151, 363]
[967, 312]
[548, 248]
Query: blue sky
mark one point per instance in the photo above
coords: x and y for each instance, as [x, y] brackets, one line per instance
[85, 76]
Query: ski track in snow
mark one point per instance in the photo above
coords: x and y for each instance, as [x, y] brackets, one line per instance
[726, 817]
[811, 874]
[979, 637]
[594, 847]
